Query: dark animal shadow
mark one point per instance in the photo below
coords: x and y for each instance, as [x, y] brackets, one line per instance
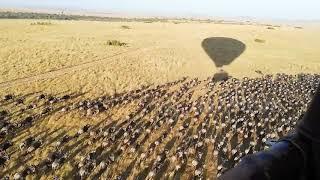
[222, 51]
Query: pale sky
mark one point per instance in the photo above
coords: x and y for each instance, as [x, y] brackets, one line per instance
[272, 9]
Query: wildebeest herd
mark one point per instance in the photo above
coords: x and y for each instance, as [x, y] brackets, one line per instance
[185, 129]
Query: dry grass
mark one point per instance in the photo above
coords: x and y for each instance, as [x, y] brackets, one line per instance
[158, 52]
[72, 57]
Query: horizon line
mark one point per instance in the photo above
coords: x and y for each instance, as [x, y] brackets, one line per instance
[135, 14]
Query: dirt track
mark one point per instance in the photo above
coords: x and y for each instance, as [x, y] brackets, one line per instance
[58, 72]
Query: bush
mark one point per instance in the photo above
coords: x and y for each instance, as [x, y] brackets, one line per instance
[259, 40]
[272, 28]
[115, 43]
[125, 27]
[41, 23]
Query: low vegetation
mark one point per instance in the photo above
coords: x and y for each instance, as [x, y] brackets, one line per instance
[125, 27]
[259, 40]
[62, 16]
[41, 23]
[115, 43]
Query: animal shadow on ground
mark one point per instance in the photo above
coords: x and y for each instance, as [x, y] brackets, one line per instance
[222, 51]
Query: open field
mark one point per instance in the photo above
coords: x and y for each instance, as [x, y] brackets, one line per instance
[125, 82]
[74, 55]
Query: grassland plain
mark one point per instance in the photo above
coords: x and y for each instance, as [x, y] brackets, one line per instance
[73, 57]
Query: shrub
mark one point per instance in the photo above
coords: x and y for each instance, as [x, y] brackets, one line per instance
[272, 28]
[125, 27]
[41, 23]
[259, 40]
[115, 43]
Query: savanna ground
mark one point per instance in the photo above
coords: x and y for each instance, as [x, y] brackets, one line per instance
[73, 57]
